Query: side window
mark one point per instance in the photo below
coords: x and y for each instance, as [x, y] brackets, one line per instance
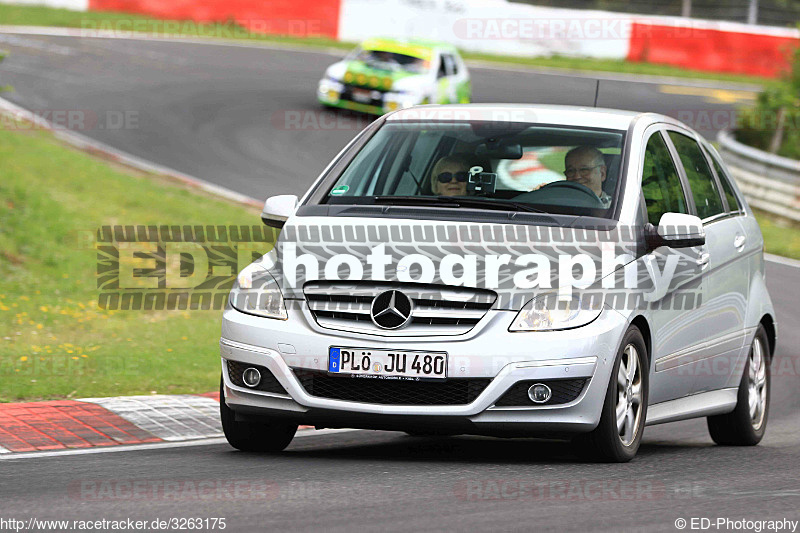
[661, 186]
[704, 189]
[442, 67]
[452, 65]
[727, 188]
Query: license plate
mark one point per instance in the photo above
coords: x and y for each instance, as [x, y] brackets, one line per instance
[360, 95]
[387, 364]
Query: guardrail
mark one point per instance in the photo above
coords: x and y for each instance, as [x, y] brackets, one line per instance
[769, 182]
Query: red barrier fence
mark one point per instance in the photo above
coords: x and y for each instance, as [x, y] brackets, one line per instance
[712, 50]
[687, 43]
[298, 18]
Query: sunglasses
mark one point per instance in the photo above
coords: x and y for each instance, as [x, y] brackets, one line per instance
[447, 177]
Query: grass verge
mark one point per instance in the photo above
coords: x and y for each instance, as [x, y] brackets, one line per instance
[55, 341]
[18, 15]
[781, 237]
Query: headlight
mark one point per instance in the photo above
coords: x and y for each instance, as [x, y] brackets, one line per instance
[256, 292]
[402, 100]
[547, 313]
[328, 85]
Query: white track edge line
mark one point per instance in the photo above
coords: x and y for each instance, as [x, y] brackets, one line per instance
[153, 446]
[82, 142]
[785, 261]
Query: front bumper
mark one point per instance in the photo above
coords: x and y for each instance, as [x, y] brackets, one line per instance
[300, 343]
[335, 94]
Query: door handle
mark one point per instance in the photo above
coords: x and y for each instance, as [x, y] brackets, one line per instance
[739, 241]
[702, 261]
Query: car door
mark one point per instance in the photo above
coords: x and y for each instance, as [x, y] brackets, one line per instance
[747, 245]
[726, 273]
[675, 316]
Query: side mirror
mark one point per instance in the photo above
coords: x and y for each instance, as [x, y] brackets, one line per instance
[277, 209]
[677, 230]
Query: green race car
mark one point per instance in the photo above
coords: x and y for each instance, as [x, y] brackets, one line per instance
[384, 75]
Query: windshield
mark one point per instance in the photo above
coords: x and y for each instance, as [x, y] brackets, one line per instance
[391, 61]
[510, 166]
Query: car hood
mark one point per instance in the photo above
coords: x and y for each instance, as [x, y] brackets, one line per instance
[360, 74]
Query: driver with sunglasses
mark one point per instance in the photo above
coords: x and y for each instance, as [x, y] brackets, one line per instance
[449, 176]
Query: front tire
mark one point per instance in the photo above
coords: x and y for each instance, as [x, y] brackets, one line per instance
[267, 436]
[746, 425]
[617, 437]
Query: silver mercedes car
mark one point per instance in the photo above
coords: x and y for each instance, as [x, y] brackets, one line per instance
[510, 271]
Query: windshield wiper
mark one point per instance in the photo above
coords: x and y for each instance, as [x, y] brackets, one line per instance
[458, 201]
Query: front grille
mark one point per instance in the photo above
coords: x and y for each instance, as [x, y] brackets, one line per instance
[438, 309]
[459, 391]
[564, 391]
[269, 383]
[376, 96]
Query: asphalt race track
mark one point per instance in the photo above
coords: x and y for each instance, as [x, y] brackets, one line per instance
[218, 113]
[247, 118]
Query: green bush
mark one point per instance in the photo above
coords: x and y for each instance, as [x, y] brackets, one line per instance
[773, 124]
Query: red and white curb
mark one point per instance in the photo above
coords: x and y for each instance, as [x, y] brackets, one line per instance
[64, 424]
[107, 422]
[170, 418]
[123, 422]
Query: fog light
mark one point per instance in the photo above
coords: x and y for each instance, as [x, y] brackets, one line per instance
[539, 393]
[252, 377]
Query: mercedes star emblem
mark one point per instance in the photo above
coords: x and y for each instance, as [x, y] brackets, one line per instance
[391, 310]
